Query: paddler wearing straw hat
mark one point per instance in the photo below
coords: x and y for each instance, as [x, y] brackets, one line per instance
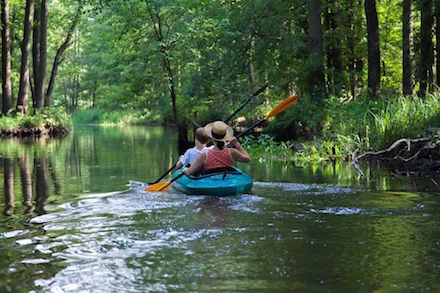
[220, 156]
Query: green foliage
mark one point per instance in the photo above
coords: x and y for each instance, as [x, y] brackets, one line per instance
[265, 148]
[48, 117]
[103, 117]
[360, 124]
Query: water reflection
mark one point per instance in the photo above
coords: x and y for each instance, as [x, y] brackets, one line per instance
[38, 178]
[92, 159]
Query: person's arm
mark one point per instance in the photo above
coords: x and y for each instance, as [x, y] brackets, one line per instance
[196, 166]
[179, 165]
[238, 153]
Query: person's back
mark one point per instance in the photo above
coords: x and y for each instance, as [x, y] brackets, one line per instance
[191, 155]
[216, 159]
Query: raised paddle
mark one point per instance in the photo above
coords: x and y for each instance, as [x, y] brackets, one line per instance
[248, 99]
[281, 107]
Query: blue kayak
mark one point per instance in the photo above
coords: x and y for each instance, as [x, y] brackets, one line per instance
[232, 181]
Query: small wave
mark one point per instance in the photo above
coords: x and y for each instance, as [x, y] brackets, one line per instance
[12, 234]
[307, 189]
[343, 211]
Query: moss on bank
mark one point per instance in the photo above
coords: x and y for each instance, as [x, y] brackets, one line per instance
[51, 122]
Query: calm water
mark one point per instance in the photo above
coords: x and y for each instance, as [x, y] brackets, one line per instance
[76, 218]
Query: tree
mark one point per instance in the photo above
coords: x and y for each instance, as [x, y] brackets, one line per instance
[335, 65]
[373, 47]
[23, 100]
[426, 47]
[316, 78]
[407, 48]
[162, 27]
[58, 56]
[437, 41]
[6, 59]
[40, 54]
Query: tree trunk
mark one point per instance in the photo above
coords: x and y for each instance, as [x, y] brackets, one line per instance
[407, 48]
[57, 60]
[95, 85]
[373, 47]
[36, 98]
[23, 96]
[335, 65]
[316, 78]
[437, 41]
[6, 59]
[43, 54]
[40, 53]
[426, 46]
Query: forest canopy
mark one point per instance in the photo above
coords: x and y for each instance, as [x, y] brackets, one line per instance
[183, 60]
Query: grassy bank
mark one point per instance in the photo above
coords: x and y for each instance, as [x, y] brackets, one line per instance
[49, 121]
[111, 117]
[362, 124]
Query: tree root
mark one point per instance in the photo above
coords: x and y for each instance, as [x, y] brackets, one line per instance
[407, 155]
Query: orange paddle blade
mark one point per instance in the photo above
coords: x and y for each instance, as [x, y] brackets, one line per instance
[282, 106]
[161, 186]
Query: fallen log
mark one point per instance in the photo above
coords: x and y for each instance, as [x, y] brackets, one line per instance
[406, 155]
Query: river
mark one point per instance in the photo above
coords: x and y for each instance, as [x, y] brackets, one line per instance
[75, 217]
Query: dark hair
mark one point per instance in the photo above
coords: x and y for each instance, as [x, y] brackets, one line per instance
[220, 144]
[201, 136]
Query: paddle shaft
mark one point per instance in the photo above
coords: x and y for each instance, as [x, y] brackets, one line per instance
[165, 187]
[281, 107]
[259, 91]
[164, 174]
[258, 123]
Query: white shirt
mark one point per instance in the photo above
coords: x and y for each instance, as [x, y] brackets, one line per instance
[192, 154]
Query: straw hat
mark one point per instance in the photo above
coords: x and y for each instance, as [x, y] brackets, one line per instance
[219, 131]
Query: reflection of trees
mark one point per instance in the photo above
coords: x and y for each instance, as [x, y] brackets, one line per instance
[54, 178]
[41, 184]
[38, 180]
[8, 168]
[26, 181]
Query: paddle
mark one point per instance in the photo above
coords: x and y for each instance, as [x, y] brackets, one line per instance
[163, 186]
[248, 99]
[257, 92]
[164, 174]
[281, 107]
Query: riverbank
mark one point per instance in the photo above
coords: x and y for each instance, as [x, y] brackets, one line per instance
[353, 128]
[105, 117]
[46, 123]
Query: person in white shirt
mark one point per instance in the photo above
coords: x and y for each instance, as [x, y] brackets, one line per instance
[190, 156]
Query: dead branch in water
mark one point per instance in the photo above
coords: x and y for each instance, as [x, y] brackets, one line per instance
[421, 154]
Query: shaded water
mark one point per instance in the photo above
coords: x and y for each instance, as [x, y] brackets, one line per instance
[76, 218]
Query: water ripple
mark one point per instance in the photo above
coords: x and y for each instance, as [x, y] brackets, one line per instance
[307, 189]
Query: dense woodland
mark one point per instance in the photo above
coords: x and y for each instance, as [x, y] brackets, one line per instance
[195, 61]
